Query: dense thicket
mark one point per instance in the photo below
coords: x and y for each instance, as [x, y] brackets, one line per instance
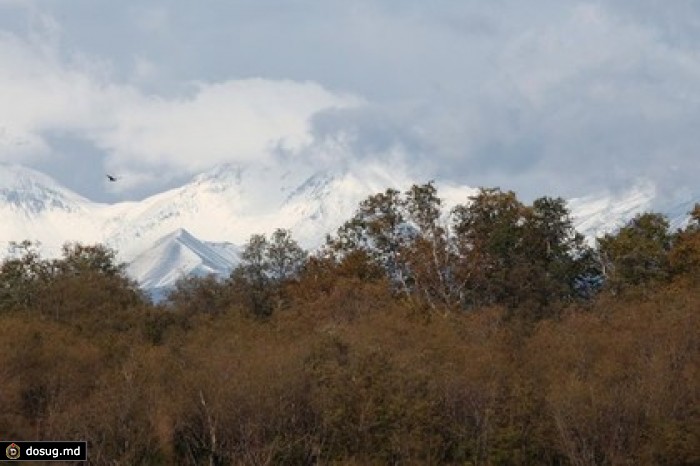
[494, 335]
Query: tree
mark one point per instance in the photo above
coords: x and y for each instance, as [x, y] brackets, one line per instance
[88, 282]
[80, 259]
[431, 256]
[424, 209]
[638, 253]
[200, 295]
[378, 228]
[568, 267]
[489, 233]
[284, 255]
[22, 275]
[684, 257]
[402, 234]
[252, 277]
[265, 267]
[521, 256]
[495, 250]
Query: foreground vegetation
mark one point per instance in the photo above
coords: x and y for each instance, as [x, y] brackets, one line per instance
[496, 338]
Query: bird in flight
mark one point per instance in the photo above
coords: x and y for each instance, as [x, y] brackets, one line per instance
[111, 178]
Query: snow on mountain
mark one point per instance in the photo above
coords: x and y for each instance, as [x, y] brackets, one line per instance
[180, 254]
[596, 215]
[228, 251]
[678, 213]
[33, 206]
[228, 203]
[193, 228]
[232, 203]
[325, 200]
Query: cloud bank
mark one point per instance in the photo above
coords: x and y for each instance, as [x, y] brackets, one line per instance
[146, 136]
[545, 97]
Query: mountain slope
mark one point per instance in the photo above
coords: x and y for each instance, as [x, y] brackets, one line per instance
[227, 203]
[176, 255]
[33, 206]
[596, 215]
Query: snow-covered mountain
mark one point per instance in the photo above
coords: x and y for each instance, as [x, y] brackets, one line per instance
[34, 206]
[193, 228]
[177, 255]
[180, 254]
[228, 204]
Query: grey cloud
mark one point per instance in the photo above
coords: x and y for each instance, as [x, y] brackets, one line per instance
[542, 97]
[594, 102]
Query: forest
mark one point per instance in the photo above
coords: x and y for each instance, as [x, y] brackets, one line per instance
[493, 334]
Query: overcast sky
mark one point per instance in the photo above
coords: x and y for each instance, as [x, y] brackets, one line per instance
[543, 97]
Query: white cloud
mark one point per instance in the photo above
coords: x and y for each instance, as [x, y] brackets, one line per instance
[230, 121]
[38, 94]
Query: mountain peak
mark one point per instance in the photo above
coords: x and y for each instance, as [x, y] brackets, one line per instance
[314, 186]
[179, 234]
[225, 174]
[15, 176]
[33, 192]
[175, 255]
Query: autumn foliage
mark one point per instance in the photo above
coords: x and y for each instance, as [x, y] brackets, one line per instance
[495, 336]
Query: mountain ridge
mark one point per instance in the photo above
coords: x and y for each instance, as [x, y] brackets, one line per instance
[201, 222]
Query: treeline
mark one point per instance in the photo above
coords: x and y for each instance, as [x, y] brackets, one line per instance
[492, 335]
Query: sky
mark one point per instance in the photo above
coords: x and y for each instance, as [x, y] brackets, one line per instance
[542, 97]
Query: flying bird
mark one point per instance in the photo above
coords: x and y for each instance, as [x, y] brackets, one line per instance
[111, 178]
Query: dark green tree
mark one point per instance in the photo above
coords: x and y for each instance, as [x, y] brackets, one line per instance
[521, 256]
[21, 276]
[266, 265]
[638, 253]
[379, 229]
[284, 255]
[424, 208]
[252, 277]
[562, 267]
[489, 233]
